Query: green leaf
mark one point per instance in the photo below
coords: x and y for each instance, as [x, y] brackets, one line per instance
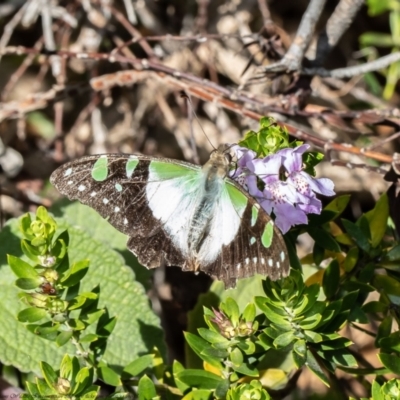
[318, 254]
[139, 365]
[314, 366]
[146, 389]
[249, 312]
[384, 329]
[324, 239]
[27, 283]
[75, 214]
[231, 309]
[199, 346]
[391, 362]
[48, 373]
[76, 273]
[356, 234]
[351, 259]
[376, 391]
[21, 268]
[213, 337]
[338, 204]
[391, 342]
[331, 278]
[246, 370]
[199, 379]
[390, 286]
[138, 328]
[377, 219]
[109, 376]
[63, 338]
[284, 340]
[32, 314]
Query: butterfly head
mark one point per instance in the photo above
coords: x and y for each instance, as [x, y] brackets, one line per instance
[219, 162]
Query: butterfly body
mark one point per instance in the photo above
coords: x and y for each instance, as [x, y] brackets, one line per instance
[179, 214]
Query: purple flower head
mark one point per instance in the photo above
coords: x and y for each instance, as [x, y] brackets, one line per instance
[280, 185]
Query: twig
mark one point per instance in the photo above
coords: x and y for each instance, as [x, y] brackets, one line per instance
[266, 14]
[130, 12]
[349, 72]
[16, 76]
[338, 23]
[10, 26]
[202, 15]
[292, 60]
[49, 37]
[136, 35]
[209, 91]
[384, 141]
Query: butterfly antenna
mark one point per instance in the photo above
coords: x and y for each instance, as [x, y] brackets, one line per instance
[192, 113]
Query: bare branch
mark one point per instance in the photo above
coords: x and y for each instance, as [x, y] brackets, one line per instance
[294, 56]
[338, 23]
[349, 72]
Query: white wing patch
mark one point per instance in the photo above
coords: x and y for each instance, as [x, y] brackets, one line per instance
[223, 228]
[172, 197]
[174, 192]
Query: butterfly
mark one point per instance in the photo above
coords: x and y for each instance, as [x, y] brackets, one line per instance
[179, 214]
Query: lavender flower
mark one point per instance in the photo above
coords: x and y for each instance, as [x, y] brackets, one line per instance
[280, 185]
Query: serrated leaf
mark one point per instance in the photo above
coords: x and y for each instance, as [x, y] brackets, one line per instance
[120, 293]
[75, 214]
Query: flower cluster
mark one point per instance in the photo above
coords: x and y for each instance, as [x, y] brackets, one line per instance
[279, 183]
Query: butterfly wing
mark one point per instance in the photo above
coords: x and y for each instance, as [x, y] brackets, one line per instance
[153, 213]
[153, 201]
[258, 246]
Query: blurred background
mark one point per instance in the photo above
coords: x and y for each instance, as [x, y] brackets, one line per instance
[73, 82]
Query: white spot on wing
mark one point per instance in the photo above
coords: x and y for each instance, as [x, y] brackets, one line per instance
[117, 209]
[247, 260]
[255, 259]
[278, 264]
[68, 172]
[282, 255]
[125, 221]
[70, 182]
[93, 194]
[238, 266]
[262, 260]
[105, 201]
[81, 188]
[270, 262]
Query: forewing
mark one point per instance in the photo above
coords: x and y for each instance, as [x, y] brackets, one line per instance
[123, 190]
